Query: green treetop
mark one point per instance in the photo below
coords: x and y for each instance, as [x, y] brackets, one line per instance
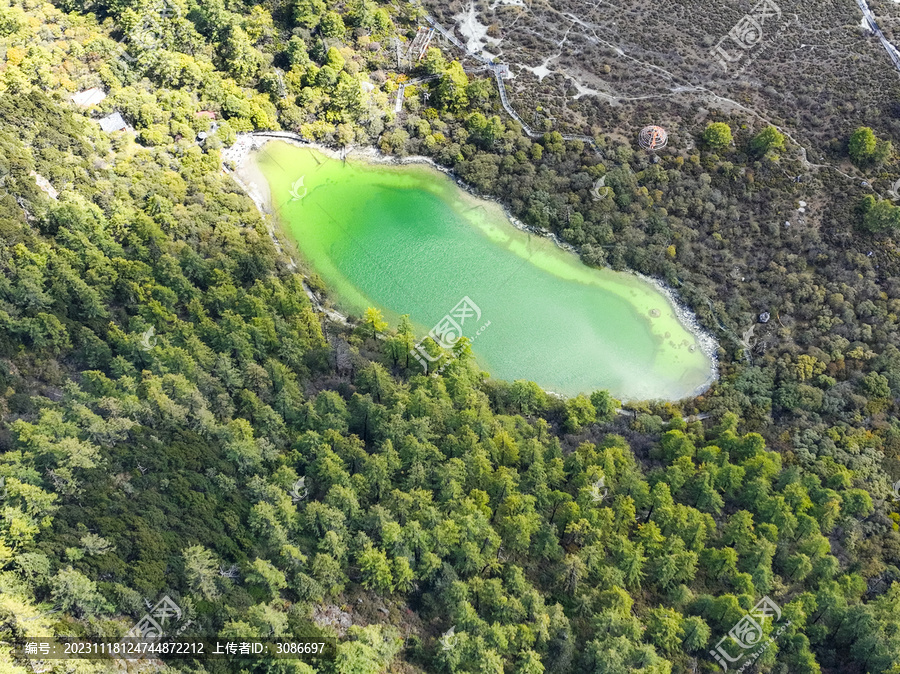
[769, 139]
[865, 148]
[452, 86]
[717, 136]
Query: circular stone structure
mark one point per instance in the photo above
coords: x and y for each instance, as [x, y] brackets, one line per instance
[653, 138]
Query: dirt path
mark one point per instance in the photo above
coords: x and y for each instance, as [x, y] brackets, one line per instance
[690, 90]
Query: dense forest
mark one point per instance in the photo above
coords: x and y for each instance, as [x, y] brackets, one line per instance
[178, 420]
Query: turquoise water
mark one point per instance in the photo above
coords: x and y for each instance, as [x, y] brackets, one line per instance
[407, 240]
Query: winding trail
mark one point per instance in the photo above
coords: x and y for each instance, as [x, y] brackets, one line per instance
[699, 91]
[499, 69]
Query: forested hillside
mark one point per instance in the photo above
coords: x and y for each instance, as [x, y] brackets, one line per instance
[165, 382]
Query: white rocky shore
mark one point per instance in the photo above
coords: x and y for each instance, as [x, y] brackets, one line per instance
[708, 343]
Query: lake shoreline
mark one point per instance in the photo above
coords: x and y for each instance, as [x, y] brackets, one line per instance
[251, 180]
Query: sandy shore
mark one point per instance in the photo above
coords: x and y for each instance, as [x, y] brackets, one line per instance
[251, 179]
[246, 174]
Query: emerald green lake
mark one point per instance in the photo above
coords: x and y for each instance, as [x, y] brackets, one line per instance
[407, 240]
